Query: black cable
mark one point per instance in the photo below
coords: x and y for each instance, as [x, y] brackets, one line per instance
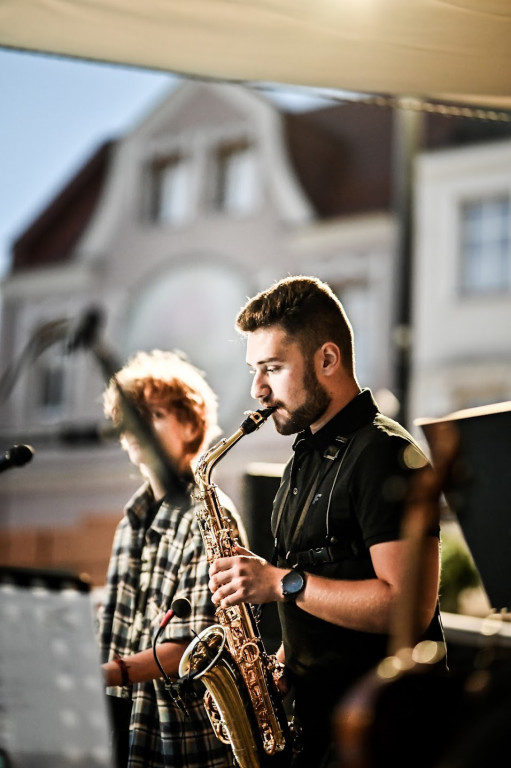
[181, 608]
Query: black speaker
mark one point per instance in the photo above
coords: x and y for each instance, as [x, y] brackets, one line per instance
[478, 489]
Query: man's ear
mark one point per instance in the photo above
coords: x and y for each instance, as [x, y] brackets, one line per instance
[329, 357]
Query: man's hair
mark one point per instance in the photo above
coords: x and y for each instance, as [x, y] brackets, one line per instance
[307, 310]
[168, 380]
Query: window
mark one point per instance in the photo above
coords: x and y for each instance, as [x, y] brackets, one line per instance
[486, 246]
[170, 192]
[52, 387]
[50, 382]
[235, 179]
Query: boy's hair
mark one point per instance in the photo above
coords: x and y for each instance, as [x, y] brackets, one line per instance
[169, 380]
[307, 310]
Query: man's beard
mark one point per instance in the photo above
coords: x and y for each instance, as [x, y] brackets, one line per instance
[316, 402]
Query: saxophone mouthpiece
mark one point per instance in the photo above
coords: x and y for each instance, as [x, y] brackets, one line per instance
[256, 418]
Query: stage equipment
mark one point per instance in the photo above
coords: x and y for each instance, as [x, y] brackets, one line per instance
[478, 490]
[54, 712]
[17, 456]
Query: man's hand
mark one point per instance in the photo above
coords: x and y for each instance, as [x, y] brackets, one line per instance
[244, 578]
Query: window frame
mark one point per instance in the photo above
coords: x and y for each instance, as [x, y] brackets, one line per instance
[158, 166]
[500, 284]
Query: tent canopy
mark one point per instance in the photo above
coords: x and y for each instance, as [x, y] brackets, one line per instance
[447, 50]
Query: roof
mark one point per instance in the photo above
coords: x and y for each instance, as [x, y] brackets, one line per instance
[51, 237]
[342, 156]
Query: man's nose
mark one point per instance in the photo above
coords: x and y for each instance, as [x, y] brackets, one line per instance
[259, 387]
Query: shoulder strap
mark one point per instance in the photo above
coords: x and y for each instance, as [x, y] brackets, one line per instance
[353, 448]
[332, 454]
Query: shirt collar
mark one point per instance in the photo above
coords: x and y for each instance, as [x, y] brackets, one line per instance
[359, 411]
[137, 506]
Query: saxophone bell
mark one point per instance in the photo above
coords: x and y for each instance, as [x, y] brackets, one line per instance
[227, 704]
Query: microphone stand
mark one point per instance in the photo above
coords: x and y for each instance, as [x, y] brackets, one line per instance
[83, 334]
[172, 687]
[182, 609]
[132, 420]
[48, 334]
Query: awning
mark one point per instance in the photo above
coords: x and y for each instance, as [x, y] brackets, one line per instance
[448, 50]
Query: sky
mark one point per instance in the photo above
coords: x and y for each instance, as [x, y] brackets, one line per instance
[55, 112]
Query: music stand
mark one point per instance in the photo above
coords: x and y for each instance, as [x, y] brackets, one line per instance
[479, 490]
[53, 710]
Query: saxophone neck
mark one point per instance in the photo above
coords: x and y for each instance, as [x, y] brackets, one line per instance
[206, 462]
[210, 458]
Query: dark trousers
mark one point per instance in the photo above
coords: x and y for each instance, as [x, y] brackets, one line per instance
[120, 715]
[314, 704]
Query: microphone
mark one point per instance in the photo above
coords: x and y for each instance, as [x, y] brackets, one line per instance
[16, 456]
[85, 330]
[181, 607]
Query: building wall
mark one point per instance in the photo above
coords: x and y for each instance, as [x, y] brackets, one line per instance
[461, 342]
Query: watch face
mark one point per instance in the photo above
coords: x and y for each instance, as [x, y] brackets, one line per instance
[292, 583]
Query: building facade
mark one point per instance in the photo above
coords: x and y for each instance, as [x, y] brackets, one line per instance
[462, 285]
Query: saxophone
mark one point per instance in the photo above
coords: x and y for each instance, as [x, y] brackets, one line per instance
[242, 701]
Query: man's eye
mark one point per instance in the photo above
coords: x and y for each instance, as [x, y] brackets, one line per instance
[265, 370]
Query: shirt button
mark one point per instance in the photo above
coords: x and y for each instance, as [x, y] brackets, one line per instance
[295, 491]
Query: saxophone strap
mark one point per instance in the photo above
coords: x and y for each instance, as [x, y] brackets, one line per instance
[322, 554]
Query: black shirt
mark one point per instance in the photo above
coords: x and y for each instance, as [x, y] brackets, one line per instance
[341, 493]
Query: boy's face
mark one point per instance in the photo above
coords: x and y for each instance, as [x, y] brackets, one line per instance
[172, 434]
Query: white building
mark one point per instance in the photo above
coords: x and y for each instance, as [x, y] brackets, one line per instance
[462, 286]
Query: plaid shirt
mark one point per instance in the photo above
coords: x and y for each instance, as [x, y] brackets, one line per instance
[147, 571]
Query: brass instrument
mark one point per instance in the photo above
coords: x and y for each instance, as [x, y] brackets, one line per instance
[242, 700]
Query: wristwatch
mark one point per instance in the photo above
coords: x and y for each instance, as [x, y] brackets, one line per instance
[292, 584]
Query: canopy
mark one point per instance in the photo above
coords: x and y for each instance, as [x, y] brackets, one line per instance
[446, 50]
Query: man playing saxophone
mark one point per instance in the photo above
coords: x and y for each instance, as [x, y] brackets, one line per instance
[339, 565]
